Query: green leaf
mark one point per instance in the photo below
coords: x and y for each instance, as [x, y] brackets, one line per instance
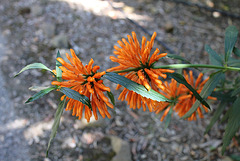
[35, 66]
[206, 91]
[111, 96]
[38, 88]
[233, 124]
[57, 118]
[215, 59]
[58, 70]
[76, 96]
[216, 116]
[226, 115]
[174, 56]
[180, 79]
[235, 92]
[168, 118]
[133, 86]
[40, 94]
[235, 157]
[231, 35]
[234, 63]
[236, 51]
[223, 96]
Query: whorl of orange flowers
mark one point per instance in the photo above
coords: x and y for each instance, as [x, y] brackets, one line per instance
[132, 55]
[87, 81]
[183, 97]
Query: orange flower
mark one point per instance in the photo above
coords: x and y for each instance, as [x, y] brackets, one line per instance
[87, 81]
[183, 98]
[132, 55]
[187, 99]
[172, 92]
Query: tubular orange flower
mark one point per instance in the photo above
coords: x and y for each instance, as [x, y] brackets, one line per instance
[86, 81]
[187, 99]
[132, 55]
[182, 97]
[172, 92]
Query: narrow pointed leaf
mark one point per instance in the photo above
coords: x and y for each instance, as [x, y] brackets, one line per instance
[133, 86]
[234, 63]
[40, 94]
[216, 116]
[111, 96]
[180, 79]
[168, 118]
[236, 51]
[174, 56]
[233, 124]
[38, 88]
[215, 59]
[58, 70]
[235, 92]
[206, 91]
[223, 96]
[34, 66]
[76, 96]
[231, 35]
[57, 119]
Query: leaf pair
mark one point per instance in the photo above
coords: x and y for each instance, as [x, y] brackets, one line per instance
[231, 35]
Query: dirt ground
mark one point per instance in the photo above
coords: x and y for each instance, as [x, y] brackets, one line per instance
[33, 31]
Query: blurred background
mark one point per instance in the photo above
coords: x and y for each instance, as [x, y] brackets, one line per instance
[34, 30]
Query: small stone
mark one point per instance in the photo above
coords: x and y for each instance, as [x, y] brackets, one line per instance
[81, 124]
[226, 159]
[164, 140]
[184, 158]
[36, 10]
[59, 41]
[121, 148]
[128, 9]
[169, 27]
[69, 143]
[175, 147]
[47, 159]
[194, 146]
[24, 10]
[48, 29]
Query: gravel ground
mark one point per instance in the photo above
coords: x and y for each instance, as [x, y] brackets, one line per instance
[35, 30]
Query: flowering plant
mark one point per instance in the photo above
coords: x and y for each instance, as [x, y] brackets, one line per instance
[146, 85]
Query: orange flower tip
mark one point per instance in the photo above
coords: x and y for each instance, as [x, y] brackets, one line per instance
[147, 87]
[55, 83]
[71, 50]
[108, 89]
[90, 79]
[164, 76]
[163, 54]
[60, 60]
[95, 68]
[154, 34]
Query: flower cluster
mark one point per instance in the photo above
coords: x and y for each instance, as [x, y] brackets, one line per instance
[182, 97]
[137, 64]
[132, 55]
[87, 81]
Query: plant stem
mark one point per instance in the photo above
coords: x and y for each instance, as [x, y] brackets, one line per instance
[180, 66]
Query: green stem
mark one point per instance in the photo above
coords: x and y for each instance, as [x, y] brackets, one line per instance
[180, 66]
